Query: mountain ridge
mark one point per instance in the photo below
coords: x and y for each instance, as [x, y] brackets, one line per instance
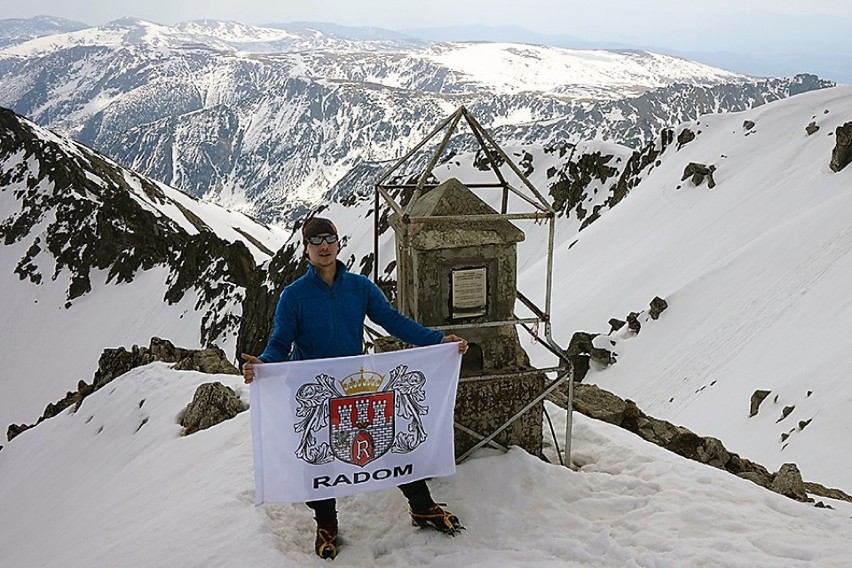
[275, 132]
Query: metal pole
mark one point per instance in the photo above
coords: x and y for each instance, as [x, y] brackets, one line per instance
[428, 171]
[569, 420]
[422, 143]
[475, 127]
[479, 436]
[391, 201]
[479, 217]
[376, 235]
[512, 165]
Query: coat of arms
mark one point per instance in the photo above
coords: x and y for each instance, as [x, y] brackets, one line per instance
[361, 416]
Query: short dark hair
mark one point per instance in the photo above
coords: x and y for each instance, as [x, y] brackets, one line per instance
[317, 226]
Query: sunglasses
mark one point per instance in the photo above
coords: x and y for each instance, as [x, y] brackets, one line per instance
[330, 239]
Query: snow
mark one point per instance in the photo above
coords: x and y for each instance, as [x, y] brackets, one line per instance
[756, 274]
[753, 271]
[577, 73]
[115, 484]
[67, 340]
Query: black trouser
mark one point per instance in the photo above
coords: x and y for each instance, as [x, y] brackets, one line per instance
[417, 493]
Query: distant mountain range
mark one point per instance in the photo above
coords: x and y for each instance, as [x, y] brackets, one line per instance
[14, 31]
[275, 120]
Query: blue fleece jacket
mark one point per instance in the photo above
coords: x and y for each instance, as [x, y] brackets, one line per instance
[313, 321]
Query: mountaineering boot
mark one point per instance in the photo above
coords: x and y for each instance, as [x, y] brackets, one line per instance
[326, 543]
[437, 518]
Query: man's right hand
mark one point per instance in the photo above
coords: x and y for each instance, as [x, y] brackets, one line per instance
[248, 367]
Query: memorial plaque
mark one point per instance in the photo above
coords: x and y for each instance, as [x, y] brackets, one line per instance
[468, 292]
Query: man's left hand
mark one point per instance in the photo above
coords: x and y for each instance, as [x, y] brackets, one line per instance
[461, 341]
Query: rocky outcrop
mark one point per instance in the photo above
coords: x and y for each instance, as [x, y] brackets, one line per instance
[756, 399]
[788, 482]
[812, 128]
[658, 306]
[262, 298]
[87, 216]
[582, 351]
[603, 405]
[572, 190]
[841, 156]
[115, 362]
[685, 137]
[698, 173]
[212, 404]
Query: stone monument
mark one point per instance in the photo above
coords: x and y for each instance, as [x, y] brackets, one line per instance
[461, 275]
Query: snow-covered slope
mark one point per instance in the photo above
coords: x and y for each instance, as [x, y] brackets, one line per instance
[94, 256]
[115, 484]
[756, 273]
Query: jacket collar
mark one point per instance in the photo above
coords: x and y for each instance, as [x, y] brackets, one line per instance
[314, 276]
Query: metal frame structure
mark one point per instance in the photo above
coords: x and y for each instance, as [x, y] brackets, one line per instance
[540, 211]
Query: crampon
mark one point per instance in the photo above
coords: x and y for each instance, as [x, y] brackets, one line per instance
[438, 519]
[326, 543]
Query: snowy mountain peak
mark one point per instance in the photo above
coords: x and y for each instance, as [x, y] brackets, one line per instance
[91, 246]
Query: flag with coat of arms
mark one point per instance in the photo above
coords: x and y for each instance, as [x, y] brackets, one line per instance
[333, 427]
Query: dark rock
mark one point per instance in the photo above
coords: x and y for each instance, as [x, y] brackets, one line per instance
[602, 356]
[15, 429]
[213, 403]
[581, 342]
[785, 413]
[658, 306]
[211, 360]
[748, 124]
[811, 128]
[788, 482]
[841, 156]
[699, 172]
[757, 398]
[828, 492]
[633, 322]
[579, 352]
[115, 362]
[572, 188]
[386, 343]
[616, 324]
[685, 137]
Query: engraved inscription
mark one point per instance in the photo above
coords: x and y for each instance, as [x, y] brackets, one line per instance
[468, 292]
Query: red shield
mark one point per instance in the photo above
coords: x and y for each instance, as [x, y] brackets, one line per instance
[362, 427]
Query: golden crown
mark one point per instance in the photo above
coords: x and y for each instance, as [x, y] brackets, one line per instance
[361, 382]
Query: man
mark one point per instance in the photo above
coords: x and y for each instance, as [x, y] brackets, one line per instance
[321, 315]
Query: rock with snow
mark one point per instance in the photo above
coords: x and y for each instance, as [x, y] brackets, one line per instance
[211, 404]
[841, 156]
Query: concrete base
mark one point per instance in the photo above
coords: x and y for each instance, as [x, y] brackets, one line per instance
[484, 406]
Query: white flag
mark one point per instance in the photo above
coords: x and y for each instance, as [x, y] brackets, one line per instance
[332, 427]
